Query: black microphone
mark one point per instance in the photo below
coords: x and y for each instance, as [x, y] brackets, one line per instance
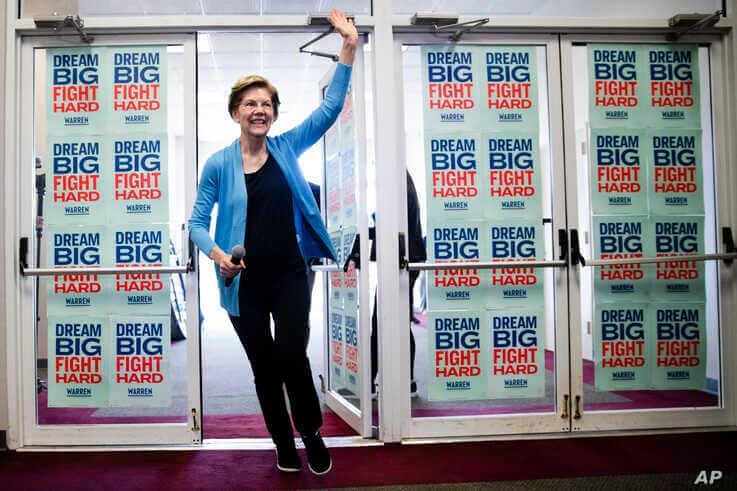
[236, 255]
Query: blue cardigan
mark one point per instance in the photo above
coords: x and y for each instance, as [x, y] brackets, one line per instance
[222, 183]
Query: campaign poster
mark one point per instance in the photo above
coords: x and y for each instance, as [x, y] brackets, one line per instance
[350, 277]
[139, 246]
[140, 361]
[672, 78]
[453, 180]
[350, 332]
[515, 286]
[681, 279]
[617, 94]
[333, 193]
[337, 350]
[510, 91]
[332, 141]
[676, 172]
[77, 374]
[457, 353]
[76, 92]
[621, 347]
[335, 285]
[621, 238]
[349, 215]
[139, 179]
[450, 88]
[76, 171]
[680, 347]
[517, 359]
[74, 247]
[513, 181]
[139, 90]
[618, 172]
[453, 242]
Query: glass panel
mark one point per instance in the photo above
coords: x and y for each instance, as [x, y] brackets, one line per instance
[108, 193]
[661, 9]
[480, 160]
[650, 333]
[341, 184]
[105, 8]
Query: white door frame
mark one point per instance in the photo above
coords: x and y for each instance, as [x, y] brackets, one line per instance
[358, 418]
[468, 426]
[722, 105]
[23, 428]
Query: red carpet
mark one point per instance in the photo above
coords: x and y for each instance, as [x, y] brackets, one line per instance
[216, 425]
[374, 466]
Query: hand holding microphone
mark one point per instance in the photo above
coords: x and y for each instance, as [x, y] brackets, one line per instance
[236, 256]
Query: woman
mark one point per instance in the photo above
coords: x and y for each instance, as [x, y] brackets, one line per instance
[265, 203]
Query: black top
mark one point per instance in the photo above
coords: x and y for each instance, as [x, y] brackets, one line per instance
[271, 239]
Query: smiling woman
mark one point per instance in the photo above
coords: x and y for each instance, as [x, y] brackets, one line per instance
[265, 202]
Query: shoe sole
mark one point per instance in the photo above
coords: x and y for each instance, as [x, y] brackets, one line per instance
[288, 469]
[323, 472]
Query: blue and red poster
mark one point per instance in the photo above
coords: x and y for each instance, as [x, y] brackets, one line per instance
[78, 376]
[619, 172]
[617, 93]
[517, 354]
[76, 92]
[621, 347]
[517, 286]
[140, 361]
[457, 359]
[511, 99]
[673, 86]
[513, 177]
[621, 238]
[457, 288]
[76, 167]
[680, 346]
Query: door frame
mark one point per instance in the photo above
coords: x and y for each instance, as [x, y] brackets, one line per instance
[24, 430]
[722, 101]
[486, 425]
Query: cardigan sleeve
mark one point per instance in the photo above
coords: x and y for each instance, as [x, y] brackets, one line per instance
[207, 193]
[304, 135]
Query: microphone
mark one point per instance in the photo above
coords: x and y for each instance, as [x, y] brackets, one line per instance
[236, 254]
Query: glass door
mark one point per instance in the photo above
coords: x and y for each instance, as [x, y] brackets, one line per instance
[346, 303]
[648, 293]
[111, 340]
[485, 204]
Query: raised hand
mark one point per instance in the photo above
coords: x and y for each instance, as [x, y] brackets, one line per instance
[348, 31]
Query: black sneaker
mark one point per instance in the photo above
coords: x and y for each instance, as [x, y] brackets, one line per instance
[287, 459]
[318, 458]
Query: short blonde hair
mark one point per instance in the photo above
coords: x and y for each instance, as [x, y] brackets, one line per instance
[248, 82]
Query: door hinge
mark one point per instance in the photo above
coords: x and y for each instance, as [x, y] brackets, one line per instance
[195, 423]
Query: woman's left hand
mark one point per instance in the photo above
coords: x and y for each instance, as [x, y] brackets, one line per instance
[348, 31]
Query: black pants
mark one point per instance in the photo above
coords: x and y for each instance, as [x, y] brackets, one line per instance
[283, 358]
[413, 275]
